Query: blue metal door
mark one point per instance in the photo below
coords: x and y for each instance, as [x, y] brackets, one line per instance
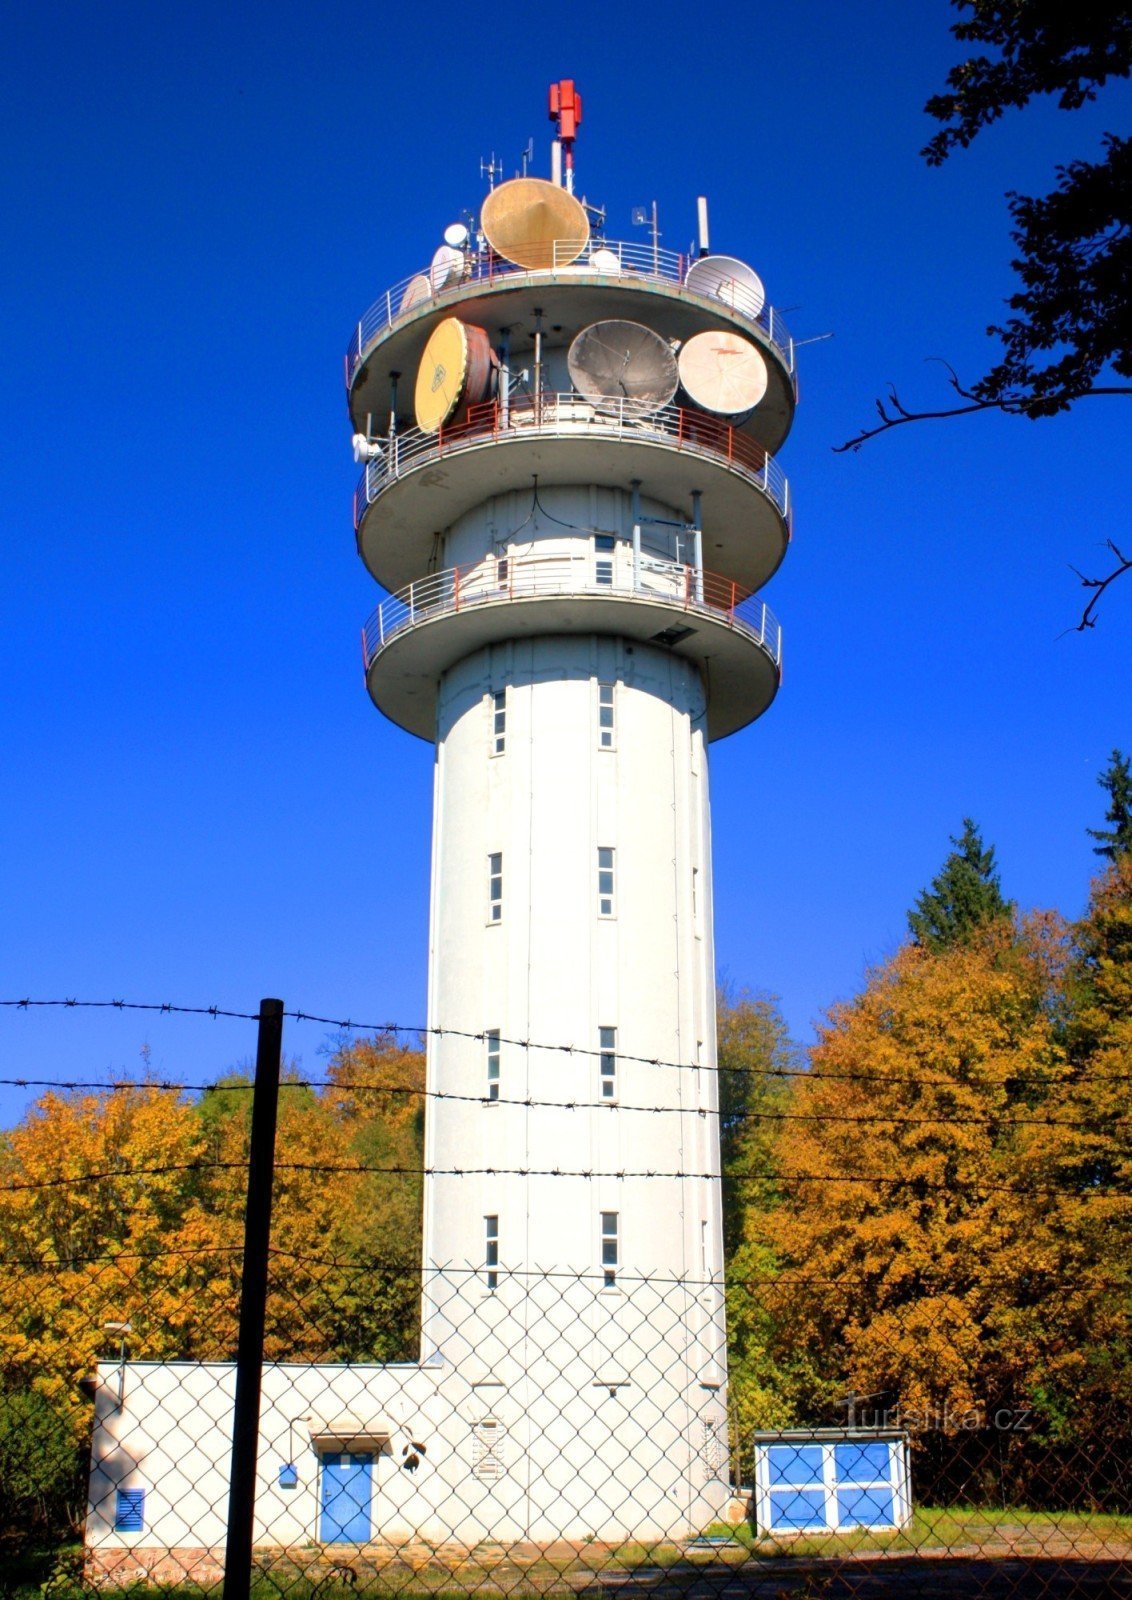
[347, 1491]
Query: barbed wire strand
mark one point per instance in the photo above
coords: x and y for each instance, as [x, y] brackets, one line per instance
[348, 1025]
[403, 1169]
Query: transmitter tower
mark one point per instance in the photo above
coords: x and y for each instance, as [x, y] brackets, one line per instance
[570, 498]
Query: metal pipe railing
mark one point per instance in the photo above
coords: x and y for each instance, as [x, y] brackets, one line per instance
[495, 581]
[564, 415]
[616, 259]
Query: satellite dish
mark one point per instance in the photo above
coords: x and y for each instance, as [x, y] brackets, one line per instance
[455, 372]
[623, 361]
[724, 278]
[605, 261]
[417, 291]
[447, 267]
[366, 449]
[723, 372]
[456, 235]
[535, 224]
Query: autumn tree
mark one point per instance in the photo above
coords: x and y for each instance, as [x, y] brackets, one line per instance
[964, 896]
[900, 1222]
[1116, 781]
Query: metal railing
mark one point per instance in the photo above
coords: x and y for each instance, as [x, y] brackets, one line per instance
[615, 259]
[563, 415]
[498, 579]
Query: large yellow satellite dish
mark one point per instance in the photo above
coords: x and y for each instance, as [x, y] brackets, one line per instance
[535, 224]
[723, 372]
[455, 368]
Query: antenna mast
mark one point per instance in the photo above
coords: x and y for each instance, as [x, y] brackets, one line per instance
[566, 112]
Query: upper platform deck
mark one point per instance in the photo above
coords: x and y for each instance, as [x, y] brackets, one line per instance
[629, 281]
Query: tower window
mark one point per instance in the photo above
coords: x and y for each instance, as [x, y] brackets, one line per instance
[491, 1251]
[498, 722]
[605, 880]
[495, 886]
[607, 1063]
[491, 1039]
[610, 1248]
[605, 716]
[604, 546]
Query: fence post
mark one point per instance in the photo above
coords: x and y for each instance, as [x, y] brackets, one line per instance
[253, 1302]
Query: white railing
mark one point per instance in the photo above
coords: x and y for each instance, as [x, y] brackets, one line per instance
[615, 259]
[566, 415]
[498, 580]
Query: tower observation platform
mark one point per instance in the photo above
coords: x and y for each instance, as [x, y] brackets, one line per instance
[571, 499]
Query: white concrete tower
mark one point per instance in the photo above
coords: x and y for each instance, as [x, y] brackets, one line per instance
[570, 499]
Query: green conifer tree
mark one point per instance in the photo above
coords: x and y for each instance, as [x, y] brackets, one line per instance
[1117, 780]
[965, 895]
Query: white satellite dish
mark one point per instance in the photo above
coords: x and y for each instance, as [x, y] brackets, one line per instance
[723, 372]
[625, 362]
[366, 449]
[417, 291]
[724, 278]
[605, 261]
[447, 267]
[456, 235]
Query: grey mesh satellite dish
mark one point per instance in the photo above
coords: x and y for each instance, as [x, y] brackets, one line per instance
[447, 267]
[723, 372]
[724, 278]
[456, 235]
[623, 362]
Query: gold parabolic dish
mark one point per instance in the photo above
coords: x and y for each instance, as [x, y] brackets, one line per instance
[535, 224]
[723, 372]
[441, 374]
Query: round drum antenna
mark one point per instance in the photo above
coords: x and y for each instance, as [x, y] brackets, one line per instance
[455, 372]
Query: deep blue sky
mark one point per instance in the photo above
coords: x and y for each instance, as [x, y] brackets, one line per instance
[199, 802]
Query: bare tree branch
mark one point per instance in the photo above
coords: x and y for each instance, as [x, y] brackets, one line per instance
[893, 413]
[1099, 585]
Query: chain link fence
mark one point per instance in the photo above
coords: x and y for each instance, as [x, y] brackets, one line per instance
[488, 1427]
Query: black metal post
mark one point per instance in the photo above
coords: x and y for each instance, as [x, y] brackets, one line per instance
[253, 1302]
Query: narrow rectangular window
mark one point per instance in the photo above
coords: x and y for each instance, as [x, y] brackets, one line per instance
[605, 880]
[605, 716]
[604, 546]
[498, 722]
[695, 894]
[610, 1242]
[501, 572]
[491, 1039]
[607, 1063]
[495, 886]
[129, 1511]
[491, 1251]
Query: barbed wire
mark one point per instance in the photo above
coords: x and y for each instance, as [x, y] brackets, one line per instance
[529, 1102]
[416, 1269]
[770, 1175]
[532, 1103]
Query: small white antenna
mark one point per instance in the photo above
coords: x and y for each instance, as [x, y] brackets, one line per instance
[643, 218]
[491, 170]
[528, 155]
